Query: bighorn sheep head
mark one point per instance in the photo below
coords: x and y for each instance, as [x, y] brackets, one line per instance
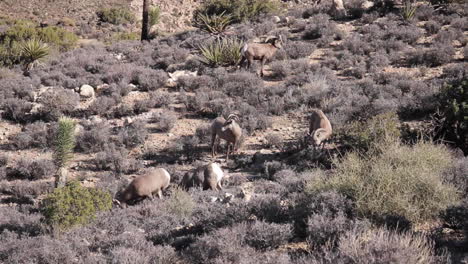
[275, 41]
[318, 136]
[229, 120]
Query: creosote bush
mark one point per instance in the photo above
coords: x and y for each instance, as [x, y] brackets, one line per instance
[240, 10]
[74, 205]
[401, 180]
[180, 203]
[116, 16]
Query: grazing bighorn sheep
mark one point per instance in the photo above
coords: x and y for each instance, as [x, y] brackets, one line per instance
[207, 176]
[193, 178]
[228, 130]
[320, 128]
[154, 181]
[260, 51]
[213, 177]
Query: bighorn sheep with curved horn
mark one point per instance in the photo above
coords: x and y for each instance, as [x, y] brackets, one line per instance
[260, 51]
[320, 128]
[228, 130]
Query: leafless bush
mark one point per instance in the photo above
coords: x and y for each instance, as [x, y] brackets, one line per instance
[116, 159]
[57, 102]
[133, 134]
[166, 120]
[93, 138]
[16, 110]
[32, 169]
[35, 135]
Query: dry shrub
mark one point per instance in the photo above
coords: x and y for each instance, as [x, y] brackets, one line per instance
[401, 180]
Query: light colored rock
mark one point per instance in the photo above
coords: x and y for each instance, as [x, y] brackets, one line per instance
[174, 77]
[78, 129]
[87, 91]
[276, 19]
[213, 199]
[95, 119]
[367, 5]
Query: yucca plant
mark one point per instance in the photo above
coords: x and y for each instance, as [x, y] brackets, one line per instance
[32, 52]
[213, 23]
[64, 145]
[154, 15]
[222, 52]
[408, 11]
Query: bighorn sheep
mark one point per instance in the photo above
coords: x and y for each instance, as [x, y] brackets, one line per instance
[228, 130]
[213, 177]
[193, 178]
[320, 128]
[207, 176]
[260, 51]
[154, 181]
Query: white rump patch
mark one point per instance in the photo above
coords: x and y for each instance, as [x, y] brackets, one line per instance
[218, 171]
[166, 173]
[244, 49]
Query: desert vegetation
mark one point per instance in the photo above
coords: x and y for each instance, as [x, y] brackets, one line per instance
[346, 143]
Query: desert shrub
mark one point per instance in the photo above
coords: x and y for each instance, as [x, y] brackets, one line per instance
[321, 28]
[438, 55]
[57, 102]
[274, 140]
[149, 80]
[32, 169]
[193, 83]
[16, 110]
[116, 159]
[383, 246]
[161, 99]
[432, 27]
[116, 16]
[21, 221]
[454, 109]
[133, 134]
[239, 10]
[102, 105]
[180, 203]
[93, 138]
[408, 11]
[221, 52]
[401, 180]
[267, 236]
[33, 52]
[40, 249]
[455, 72]
[3, 163]
[268, 208]
[166, 120]
[35, 135]
[424, 13]
[74, 205]
[366, 135]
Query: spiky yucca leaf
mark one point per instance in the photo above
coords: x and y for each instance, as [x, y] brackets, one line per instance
[33, 51]
[222, 52]
[65, 141]
[213, 23]
[408, 11]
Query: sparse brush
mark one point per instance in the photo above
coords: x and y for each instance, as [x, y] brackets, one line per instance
[33, 51]
[180, 203]
[222, 52]
[408, 11]
[213, 23]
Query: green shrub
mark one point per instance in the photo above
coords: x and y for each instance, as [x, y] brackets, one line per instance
[213, 23]
[126, 36]
[154, 15]
[240, 10]
[116, 16]
[180, 203]
[12, 40]
[453, 105]
[74, 205]
[222, 52]
[365, 135]
[403, 181]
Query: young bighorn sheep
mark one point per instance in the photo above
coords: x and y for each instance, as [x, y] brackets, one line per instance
[260, 51]
[193, 178]
[154, 181]
[228, 130]
[208, 176]
[320, 128]
[213, 177]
